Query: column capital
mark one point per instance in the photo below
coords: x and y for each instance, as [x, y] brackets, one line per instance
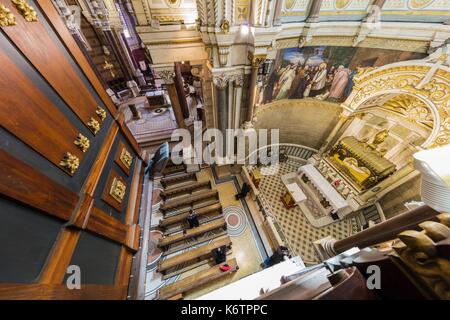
[239, 80]
[165, 72]
[256, 59]
[221, 80]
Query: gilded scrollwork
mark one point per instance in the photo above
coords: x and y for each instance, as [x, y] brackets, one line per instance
[126, 158]
[26, 10]
[101, 113]
[6, 17]
[70, 163]
[405, 79]
[118, 190]
[94, 125]
[82, 142]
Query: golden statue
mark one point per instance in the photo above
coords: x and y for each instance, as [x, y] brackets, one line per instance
[380, 137]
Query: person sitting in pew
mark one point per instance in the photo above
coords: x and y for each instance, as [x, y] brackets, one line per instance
[192, 219]
[220, 254]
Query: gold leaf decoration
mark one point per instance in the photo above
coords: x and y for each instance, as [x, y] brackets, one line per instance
[82, 142]
[26, 10]
[70, 163]
[6, 17]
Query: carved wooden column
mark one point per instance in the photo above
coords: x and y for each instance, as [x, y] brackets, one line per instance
[168, 75]
[384, 231]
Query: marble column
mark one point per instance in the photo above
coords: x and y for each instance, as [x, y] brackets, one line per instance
[168, 75]
[314, 11]
[238, 83]
[277, 14]
[255, 61]
[221, 90]
[221, 86]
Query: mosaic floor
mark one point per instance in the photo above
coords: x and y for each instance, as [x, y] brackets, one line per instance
[244, 247]
[296, 228]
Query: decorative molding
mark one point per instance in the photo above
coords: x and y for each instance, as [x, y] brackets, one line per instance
[221, 80]
[101, 113]
[223, 55]
[126, 158]
[118, 190]
[404, 78]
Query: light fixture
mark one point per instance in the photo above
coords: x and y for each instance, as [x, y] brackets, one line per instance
[245, 29]
[435, 169]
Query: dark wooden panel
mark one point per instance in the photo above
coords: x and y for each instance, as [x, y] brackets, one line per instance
[32, 117]
[40, 291]
[57, 264]
[107, 196]
[107, 226]
[26, 240]
[35, 43]
[22, 183]
[98, 259]
[60, 28]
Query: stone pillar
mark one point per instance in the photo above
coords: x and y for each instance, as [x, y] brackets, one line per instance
[238, 83]
[168, 75]
[255, 61]
[276, 16]
[314, 11]
[384, 231]
[220, 87]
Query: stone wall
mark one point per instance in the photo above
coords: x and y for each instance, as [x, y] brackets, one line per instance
[306, 122]
[393, 203]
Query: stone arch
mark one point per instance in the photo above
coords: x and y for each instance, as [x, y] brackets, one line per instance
[428, 82]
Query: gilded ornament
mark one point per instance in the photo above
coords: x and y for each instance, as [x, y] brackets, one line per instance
[225, 26]
[118, 189]
[94, 125]
[126, 158]
[82, 142]
[70, 163]
[26, 10]
[101, 113]
[6, 17]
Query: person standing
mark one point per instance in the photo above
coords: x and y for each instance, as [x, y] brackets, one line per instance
[244, 191]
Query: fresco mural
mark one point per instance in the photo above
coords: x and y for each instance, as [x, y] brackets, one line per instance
[323, 72]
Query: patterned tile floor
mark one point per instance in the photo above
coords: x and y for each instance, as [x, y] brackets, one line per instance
[296, 228]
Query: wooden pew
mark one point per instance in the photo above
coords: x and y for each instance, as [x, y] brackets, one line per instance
[200, 253]
[189, 200]
[168, 181]
[214, 208]
[187, 189]
[191, 233]
[196, 280]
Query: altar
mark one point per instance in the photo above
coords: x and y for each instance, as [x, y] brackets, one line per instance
[325, 205]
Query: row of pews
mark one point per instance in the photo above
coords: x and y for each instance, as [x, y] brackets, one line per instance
[185, 249]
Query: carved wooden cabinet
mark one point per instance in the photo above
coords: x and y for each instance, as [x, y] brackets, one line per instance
[71, 174]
